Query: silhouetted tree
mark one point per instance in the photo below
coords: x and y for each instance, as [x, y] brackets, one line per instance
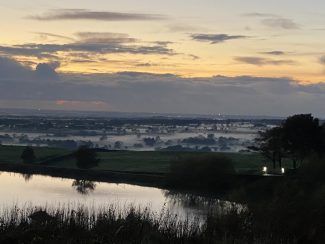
[118, 145]
[86, 158]
[296, 138]
[84, 187]
[149, 141]
[321, 150]
[302, 136]
[28, 155]
[27, 177]
[271, 145]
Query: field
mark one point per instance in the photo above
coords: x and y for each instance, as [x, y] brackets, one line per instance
[11, 154]
[155, 162]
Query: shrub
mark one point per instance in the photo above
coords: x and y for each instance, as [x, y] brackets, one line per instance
[201, 171]
[86, 158]
[28, 155]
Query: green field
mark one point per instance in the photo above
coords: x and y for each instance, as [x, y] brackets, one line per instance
[158, 162]
[11, 154]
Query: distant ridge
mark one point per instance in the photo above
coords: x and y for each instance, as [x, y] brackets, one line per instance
[65, 113]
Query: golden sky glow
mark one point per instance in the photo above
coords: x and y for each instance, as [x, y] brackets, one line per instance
[294, 28]
[183, 56]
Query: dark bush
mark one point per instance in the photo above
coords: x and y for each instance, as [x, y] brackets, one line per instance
[28, 155]
[86, 158]
[210, 171]
[149, 141]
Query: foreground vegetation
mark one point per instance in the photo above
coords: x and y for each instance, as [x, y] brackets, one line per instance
[132, 225]
[290, 209]
[113, 225]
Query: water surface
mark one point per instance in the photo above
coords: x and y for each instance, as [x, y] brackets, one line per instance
[36, 190]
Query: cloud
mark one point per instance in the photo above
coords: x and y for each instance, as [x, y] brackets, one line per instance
[46, 35]
[215, 38]
[258, 61]
[84, 105]
[46, 71]
[194, 57]
[10, 69]
[280, 23]
[258, 15]
[322, 60]
[13, 70]
[274, 21]
[147, 92]
[88, 45]
[92, 37]
[84, 14]
[274, 53]
[92, 45]
[181, 27]
[163, 43]
[104, 37]
[145, 65]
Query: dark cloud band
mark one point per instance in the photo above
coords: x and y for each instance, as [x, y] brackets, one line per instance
[259, 61]
[84, 14]
[215, 38]
[133, 91]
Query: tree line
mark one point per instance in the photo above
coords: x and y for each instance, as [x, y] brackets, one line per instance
[297, 138]
[85, 157]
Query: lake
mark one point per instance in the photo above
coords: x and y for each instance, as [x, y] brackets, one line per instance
[36, 190]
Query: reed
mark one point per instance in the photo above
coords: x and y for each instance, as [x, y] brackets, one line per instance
[113, 224]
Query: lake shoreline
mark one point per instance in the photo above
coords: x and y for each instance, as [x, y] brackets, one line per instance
[145, 179]
[109, 176]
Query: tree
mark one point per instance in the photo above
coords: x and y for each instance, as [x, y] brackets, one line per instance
[28, 155]
[302, 136]
[271, 145]
[118, 145]
[86, 158]
[321, 149]
[149, 141]
[296, 138]
[84, 187]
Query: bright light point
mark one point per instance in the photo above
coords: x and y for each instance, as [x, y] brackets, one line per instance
[282, 170]
[264, 170]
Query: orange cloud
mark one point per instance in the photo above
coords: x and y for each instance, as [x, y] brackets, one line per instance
[73, 104]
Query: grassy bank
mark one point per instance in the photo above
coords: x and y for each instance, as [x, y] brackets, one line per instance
[11, 154]
[153, 162]
[160, 161]
[141, 168]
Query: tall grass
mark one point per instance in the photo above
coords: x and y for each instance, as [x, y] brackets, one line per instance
[119, 225]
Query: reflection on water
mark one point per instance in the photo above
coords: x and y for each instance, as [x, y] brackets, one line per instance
[27, 177]
[84, 187]
[201, 204]
[36, 190]
[189, 200]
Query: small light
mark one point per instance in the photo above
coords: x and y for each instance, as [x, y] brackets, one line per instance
[264, 170]
[282, 170]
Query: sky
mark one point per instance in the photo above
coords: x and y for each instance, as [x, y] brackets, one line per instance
[251, 57]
